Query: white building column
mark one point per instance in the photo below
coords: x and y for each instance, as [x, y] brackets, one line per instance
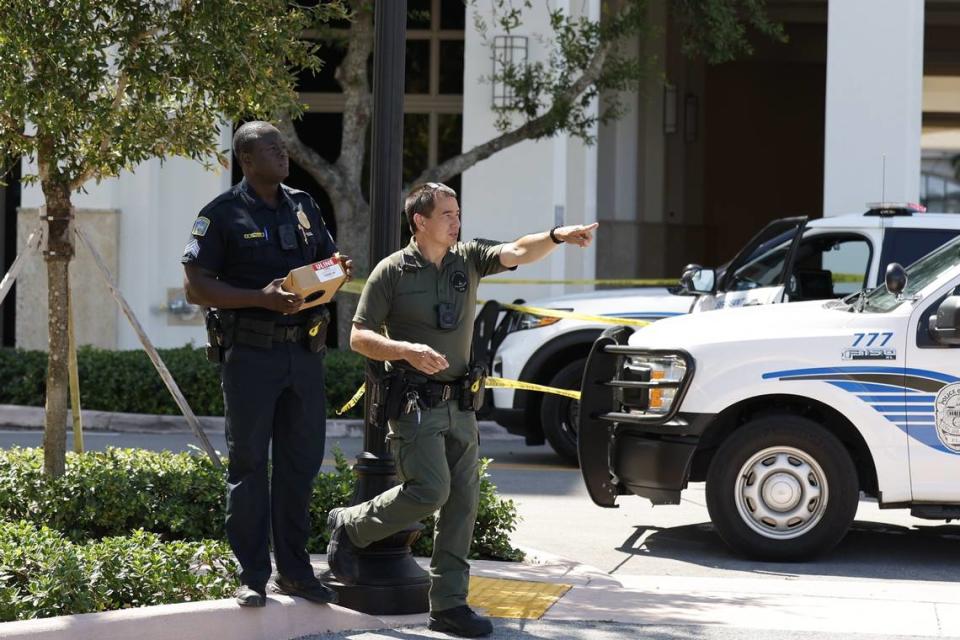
[533, 185]
[873, 103]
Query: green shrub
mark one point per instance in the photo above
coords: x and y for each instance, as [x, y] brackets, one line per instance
[179, 496]
[126, 380]
[44, 574]
[109, 493]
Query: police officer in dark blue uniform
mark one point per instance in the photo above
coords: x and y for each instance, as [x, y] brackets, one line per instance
[242, 245]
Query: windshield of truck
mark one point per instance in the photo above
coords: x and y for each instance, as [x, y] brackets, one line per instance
[777, 233]
[920, 274]
[764, 267]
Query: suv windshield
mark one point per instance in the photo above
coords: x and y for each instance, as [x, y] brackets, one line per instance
[920, 274]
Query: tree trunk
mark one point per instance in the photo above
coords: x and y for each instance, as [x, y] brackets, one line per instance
[58, 255]
[353, 233]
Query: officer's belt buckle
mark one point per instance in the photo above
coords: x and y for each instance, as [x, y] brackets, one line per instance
[447, 393]
[289, 333]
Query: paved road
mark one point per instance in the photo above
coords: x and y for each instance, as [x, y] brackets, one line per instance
[528, 630]
[637, 539]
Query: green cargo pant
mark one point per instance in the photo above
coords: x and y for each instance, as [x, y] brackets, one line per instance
[437, 462]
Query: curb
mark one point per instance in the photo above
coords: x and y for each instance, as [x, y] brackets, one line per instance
[14, 416]
[284, 618]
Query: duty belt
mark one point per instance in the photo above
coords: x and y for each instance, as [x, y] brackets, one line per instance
[434, 393]
[263, 333]
[288, 333]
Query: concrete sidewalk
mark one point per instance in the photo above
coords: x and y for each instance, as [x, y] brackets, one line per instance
[791, 606]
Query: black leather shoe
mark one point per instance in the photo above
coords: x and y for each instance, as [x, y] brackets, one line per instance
[312, 590]
[250, 596]
[460, 621]
[341, 552]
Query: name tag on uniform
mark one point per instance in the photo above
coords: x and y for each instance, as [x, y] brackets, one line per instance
[254, 235]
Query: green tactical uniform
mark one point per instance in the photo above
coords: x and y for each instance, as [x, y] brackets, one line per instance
[436, 450]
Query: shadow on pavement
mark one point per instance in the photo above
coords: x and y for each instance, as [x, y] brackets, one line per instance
[869, 550]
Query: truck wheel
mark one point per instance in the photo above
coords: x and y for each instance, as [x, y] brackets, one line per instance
[782, 488]
[560, 416]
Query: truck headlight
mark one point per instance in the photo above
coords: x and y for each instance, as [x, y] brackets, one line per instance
[659, 377]
[531, 321]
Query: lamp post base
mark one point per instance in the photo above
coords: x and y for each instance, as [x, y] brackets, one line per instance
[390, 580]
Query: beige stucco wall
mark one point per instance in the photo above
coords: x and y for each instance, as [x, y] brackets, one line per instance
[95, 312]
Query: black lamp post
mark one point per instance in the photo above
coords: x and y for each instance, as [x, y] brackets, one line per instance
[391, 582]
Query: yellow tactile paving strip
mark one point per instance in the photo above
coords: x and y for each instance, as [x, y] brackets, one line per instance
[501, 598]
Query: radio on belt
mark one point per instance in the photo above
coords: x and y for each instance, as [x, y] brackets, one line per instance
[316, 283]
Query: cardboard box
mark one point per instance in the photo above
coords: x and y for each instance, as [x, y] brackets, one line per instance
[316, 283]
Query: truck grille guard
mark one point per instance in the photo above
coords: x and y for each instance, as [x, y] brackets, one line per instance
[601, 411]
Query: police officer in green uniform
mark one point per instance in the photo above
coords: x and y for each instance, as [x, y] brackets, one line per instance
[416, 312]
[242, 245]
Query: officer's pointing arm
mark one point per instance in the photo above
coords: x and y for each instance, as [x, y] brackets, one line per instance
[535, 246]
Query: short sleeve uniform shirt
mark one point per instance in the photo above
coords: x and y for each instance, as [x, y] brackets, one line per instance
[404, 290]
[248, 244]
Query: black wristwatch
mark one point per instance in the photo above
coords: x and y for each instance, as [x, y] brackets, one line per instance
[555, 239]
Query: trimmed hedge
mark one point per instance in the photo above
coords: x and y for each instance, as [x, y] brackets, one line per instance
[126, 380]
[129, 527]
[43, 574]
[180, 496]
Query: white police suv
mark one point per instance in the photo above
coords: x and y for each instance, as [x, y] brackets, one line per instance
[789, 260]
[788, 412]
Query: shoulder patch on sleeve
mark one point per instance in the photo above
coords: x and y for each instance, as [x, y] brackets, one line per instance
[200, 226]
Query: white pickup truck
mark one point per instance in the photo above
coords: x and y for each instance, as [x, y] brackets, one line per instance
[789, 260]
[789, 412]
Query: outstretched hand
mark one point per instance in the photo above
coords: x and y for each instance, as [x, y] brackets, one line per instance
[578, 234]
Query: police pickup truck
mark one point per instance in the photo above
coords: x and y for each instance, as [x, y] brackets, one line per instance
[788, 412]
[789, 260]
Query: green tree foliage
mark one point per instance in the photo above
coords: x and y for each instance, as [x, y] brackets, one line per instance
[92, 87]
[585, 58]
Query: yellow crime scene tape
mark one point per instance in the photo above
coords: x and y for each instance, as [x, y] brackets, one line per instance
[352, 402]
[356, 286]
[571, 315]
[491, 383]
[504, 383]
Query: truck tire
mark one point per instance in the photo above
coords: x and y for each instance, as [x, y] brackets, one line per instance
[782, 487]
[560, 415]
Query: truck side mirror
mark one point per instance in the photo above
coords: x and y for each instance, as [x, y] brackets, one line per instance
[945, 326]
[895, 278]
[697, 281]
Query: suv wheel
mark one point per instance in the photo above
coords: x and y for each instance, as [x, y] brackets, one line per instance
[560, 416]
[782, 488]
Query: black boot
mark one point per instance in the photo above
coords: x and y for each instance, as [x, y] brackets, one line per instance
[460, 621]
[310, 589]
[250, 596]
[341, 552]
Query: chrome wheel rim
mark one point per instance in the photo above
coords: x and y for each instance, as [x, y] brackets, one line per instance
[781, 493]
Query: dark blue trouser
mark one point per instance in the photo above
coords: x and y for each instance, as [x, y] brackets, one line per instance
[273, 394]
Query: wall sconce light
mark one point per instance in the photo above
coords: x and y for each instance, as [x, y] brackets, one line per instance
[691, 117]
[509, 54]
[669, 109]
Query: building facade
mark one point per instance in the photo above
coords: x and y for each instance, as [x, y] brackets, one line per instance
[862, 103]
